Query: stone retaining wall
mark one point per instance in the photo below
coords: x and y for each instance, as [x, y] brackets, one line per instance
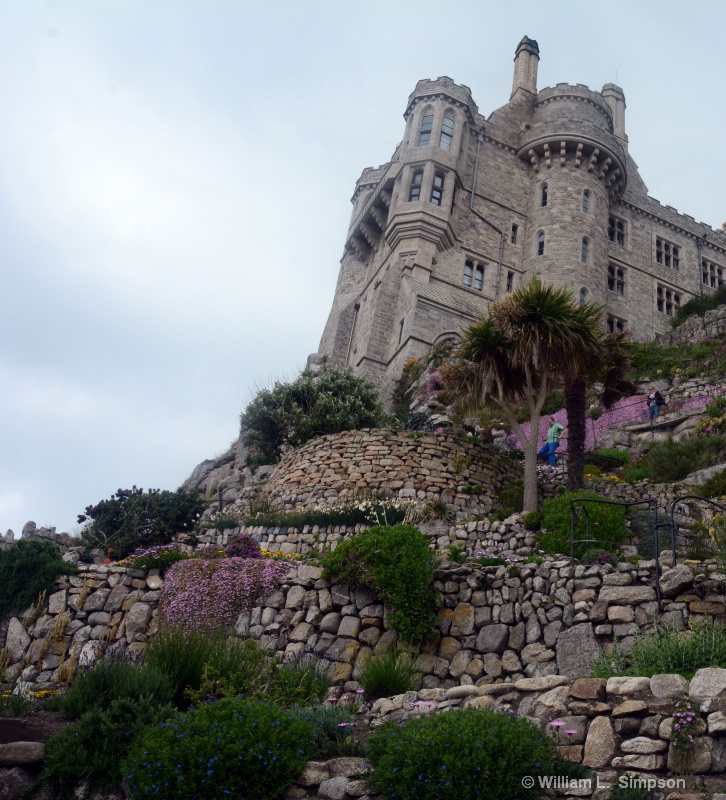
[495, 624]
[405, 464]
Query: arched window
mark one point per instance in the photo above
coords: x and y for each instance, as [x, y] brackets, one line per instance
[447, 131]
[427, 124]
[583, 296]
[545, 193]
[416, 181]
[540, 243]
[586, 201]
[585, 248]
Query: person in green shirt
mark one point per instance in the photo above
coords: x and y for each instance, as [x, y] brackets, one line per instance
[555, 432]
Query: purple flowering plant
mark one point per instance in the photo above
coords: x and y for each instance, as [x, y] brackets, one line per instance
[210, 594]
[685, 724]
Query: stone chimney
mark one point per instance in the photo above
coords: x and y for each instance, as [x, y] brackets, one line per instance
[526, 60]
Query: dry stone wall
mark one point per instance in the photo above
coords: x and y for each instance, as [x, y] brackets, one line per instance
[495, 624]
[405, 464]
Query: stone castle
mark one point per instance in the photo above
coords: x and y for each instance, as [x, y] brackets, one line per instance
[469, 207]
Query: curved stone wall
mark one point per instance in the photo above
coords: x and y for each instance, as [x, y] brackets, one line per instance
[405, 464]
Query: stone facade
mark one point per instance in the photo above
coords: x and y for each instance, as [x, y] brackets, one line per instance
[469, 207]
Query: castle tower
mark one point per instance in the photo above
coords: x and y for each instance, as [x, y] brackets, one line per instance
[577, 170]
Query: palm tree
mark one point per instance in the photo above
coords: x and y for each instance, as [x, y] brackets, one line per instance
[606, 365]
[530, 337]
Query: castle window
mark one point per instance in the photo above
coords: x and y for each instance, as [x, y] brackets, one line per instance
[479, 278]
[416, 181]
[616, 325]
[468, 273]
[427, 124]
[616, 280]
[667, 301]
[667, 254]
[515, 231]
[583, 296]
[544, 195]
[586, 201]
[447, 131]
[437, 190]
[510, 281]
[540, 243]
[585, 249]
[616, 231]
[711, 274]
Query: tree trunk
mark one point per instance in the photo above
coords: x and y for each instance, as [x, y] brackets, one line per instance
[530, 467]
[575, 403]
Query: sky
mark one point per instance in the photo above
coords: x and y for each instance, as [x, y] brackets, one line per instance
[175, 183]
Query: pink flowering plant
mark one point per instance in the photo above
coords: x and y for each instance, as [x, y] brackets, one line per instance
[210, 594]
[685, 724]
[160, 557]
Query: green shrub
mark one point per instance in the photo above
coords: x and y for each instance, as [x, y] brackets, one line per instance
[236, 747]
[666, 650]
[133, 518]
[27, 569]
[388, 673]
[554, 402]
[398, 563]
[699, 304]
[460, 754]
[113, 679]
[532, 520]
[592, 471]
[291, 414]
[333, 730]
[457, 553]
[671, 461]
[715, 486]
[93, 749]
[512, 495]
[608, 459]
[491, 561]
[606, 524]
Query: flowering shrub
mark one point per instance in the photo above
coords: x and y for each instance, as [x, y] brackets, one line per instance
[398, 563]
[606, 524]
[234, 748]
[242, 546]
[160, 557]
[211, 593]
[469, 753]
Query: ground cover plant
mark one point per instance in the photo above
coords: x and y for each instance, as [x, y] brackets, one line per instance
[28, 568]
[235, 747]
[365, 511]
[334, 729]
[461, 754]
[650, 360]
[160, 557]
[397, 562]
[606, 524]
[211, 593]
[667, 651]
[133, 518]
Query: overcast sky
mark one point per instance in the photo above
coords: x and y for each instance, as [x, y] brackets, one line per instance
[175, 182]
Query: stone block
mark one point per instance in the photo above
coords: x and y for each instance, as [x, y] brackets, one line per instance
[492, 638]
[576, 648]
